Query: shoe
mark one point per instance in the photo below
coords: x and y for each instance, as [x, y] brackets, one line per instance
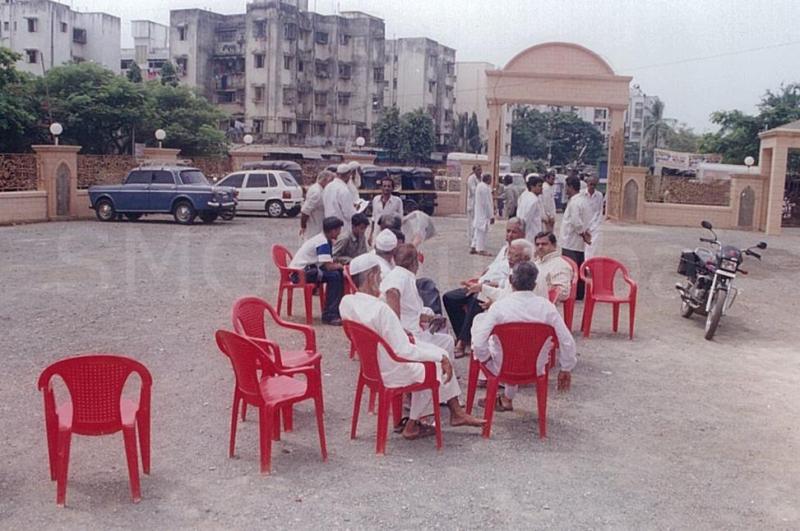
[333, 322]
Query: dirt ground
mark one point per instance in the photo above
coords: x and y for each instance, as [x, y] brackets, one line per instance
[665, 431]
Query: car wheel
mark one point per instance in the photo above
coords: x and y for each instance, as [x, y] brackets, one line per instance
[104, 210]
[184, 213]
[227, 215]
[292, 212]
[209, 217]
[133, 216]
[275, 209]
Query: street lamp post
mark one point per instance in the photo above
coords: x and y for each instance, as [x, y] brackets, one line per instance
[749, 161]
[56, 129]
[160, 136]
[248, 139]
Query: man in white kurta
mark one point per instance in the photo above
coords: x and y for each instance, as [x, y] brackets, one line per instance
[385, 203]
[313, 210]
[472, 184]
[575, 227]
[548, 199]
[530, 208]
[554, 271]
[484, 215]
[522, 305]
[337, 199]
[385, 244]
[595, 201]
[366, 308]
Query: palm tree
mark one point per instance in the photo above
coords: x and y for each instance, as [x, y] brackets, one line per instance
[656, 129]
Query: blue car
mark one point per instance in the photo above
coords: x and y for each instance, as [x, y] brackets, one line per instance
[181, 191]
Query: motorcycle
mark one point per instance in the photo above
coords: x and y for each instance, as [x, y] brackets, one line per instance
[710, 274]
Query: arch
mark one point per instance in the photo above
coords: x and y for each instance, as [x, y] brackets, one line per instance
[563, 58]
[63, 184]
[630, 200]
[747, 205]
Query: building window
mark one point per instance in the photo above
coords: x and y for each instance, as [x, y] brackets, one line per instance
[258, 60]
[321, 37]
[288, 96]
[290, 31]
[450, 69]
[32, 56]
[344, 99]
[260, 29]
[258, 94]
[321, 99]
[226, 97]
[376, 102]
[33, 25]
[394, 83]
[125, 64]
[182, 33]
[286, 126]
[345, 70]
[5, 25]
[300, 66]
[431, 86]
[64, 27]
[182, 63]
[344, 39]
[320, 128]
[258, 126]
[226, 36]
[377, 75]
[287, 62]
[79, 35]
[322, 69]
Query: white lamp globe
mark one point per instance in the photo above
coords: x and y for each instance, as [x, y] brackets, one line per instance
[248, 139]
[360, 141]
[56, 129]
[160, 134]
[749, 161]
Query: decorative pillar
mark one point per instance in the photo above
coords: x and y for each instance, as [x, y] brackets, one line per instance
[58, 176]
[494, 138]
[776, 187]
[616, 160]
[168, 156]
[238, 158]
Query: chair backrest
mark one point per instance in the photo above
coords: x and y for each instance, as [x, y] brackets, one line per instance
[350, 286]
[95, 383]
[366, 342]
[281, 256]
[522, 344]
[248, 317]
[552, 294]
[573, 289]
[602, 270]
[246, 358]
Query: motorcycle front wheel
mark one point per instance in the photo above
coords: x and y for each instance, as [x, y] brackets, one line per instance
[712, 320]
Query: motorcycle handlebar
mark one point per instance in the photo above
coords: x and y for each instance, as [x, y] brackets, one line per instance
[708, 240]
[753, 254]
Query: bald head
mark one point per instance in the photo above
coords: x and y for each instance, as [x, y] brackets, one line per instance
[406, 256]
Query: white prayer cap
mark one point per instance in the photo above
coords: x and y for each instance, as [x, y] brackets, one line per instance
[386, 241]
[341, 169]
[354, 165]
[363, 262]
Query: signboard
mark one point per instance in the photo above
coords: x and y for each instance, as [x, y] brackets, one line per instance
[678, 160]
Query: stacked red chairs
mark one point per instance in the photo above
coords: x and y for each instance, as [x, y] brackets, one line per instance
[598, 273]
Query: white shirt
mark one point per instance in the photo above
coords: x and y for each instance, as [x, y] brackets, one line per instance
[315, 250]
[553, 271]
[472, 184]
[548, 199]
[498, 270]
[394, 207]
[411, 307]
[521, 306]
[530, 211]
[484, 206]
[577, 219]
[386, 266]
[338, 202]
[314, 209]
[595, 202]
[372, 312]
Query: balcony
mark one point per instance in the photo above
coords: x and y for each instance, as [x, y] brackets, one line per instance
[227, 49]
[227, 82]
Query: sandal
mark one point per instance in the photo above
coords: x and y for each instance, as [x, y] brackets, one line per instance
[401, 425]
[498, 406]
[425, 430]
[460, 353]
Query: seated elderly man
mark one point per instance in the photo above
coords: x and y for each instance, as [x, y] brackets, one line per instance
[462, 305]
[554, 271]
[522, 305]
[385, 244]
[520, 250]
[366, 308]
[353, 244]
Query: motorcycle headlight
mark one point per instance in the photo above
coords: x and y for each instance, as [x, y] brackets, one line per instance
[729, 265]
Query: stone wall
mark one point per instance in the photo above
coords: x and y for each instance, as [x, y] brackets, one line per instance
[683, 190]
[18, 172]
[103, 169]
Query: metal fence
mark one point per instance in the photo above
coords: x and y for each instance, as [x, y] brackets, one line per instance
[687, 191]
[18, 172]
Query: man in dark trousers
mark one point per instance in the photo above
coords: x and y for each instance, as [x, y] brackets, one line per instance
[575, 225]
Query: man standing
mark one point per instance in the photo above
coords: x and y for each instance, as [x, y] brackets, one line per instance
[575, 226]
[313, 211]
[548, 199]
[337, 198]
[366, 308]
[530, 207]
[511, 196]
[554, 271]
[483, 216]
[522, 305]
[472, 184]
[315, 259]
[595, 201]
[355, 243]
[385, 204]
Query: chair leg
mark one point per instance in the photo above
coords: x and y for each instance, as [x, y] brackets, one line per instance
[541, 404]
[472, 383]
[615, 317]
[276, 424]
[372, 401]
[352, 351]
[244, 411]
[289, 299]
[588, 310]
[143, 426]
[632, 315]
[320, 424]
[569, 312]
[437, 415]
[280, 298]
[383, 422]
[491, 398]
[356, 407]
[287, 418]
[51, 427]
[129, 436]
[62, 470]
[234, 418]
[307, 298]
[397, 408]
[266, 420]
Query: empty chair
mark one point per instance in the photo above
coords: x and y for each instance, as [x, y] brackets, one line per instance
[525, 361]
[96, 407]
[269, 391]
[569, 303]
[292, 279]
[598, 273]
[367, 342]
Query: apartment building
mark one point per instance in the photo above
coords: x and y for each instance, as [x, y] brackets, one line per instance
[639, 114]
[284, 74]
[471, 98]
[49, 34]
[421, 73]
[150, 48]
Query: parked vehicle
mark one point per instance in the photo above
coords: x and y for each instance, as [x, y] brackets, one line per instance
[181, 191]
[275, 192]
[710, 274]
[414, 185]
[281, 165]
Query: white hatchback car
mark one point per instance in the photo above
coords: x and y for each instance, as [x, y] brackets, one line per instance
[272, 191]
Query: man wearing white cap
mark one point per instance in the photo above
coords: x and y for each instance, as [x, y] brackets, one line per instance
[313, 211]
[338, 199]
[366, 308]
[355, 180]
[385, 244]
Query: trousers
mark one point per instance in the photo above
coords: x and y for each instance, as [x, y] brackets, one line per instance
[334, 289]
[577, 257]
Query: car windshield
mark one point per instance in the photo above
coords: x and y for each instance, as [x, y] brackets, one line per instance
[288, 179]
[193, 177]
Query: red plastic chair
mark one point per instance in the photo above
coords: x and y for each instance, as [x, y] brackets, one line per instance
[96, 407]
[598, 273]
[552, 295]
[522, 345]
[273, 390]
[367, 342]
[569, 302]
[281, 257]
[349, 285]
[249, 319]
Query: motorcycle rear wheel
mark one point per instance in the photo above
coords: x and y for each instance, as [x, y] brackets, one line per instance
[712, 320]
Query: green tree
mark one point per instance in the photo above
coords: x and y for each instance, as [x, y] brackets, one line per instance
[462, 121]
[656, 129]
[560, 137]
[169, 74]
[388, 132]
[473, 135]
[682, 138]
[736, 138]
[19, 108]
[134, 74]
[418, 136]
[528, 133]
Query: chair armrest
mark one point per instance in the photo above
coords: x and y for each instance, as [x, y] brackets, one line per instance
[270, 348]
[430, 372]
[634, 287]
[307, 331]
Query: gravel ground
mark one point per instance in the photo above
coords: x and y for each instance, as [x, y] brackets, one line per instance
[666, 431]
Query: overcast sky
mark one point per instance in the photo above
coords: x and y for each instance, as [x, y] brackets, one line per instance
[698, 56]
